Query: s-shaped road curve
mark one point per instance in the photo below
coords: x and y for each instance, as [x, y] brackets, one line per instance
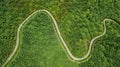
[60, 37]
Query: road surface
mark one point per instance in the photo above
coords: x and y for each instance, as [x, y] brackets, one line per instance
[60, 37]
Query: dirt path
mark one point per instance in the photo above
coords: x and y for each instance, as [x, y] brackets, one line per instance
[60, 37]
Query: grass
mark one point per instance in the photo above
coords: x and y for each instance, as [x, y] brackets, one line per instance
[39, 45]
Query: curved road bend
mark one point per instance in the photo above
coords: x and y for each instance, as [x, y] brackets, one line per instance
[59, 34]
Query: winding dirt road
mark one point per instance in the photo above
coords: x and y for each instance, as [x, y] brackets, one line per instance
[60, 37]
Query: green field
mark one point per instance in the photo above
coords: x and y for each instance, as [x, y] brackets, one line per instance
[39, 45]
[79, 21]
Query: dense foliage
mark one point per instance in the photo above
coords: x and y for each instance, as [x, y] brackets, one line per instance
[107, 49]
[78, 20]
[39, 46]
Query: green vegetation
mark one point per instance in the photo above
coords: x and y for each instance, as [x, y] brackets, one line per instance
[79, 21]
[39, 45]
[106, 51]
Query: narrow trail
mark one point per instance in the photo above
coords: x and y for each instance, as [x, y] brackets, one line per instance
[60, 37]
